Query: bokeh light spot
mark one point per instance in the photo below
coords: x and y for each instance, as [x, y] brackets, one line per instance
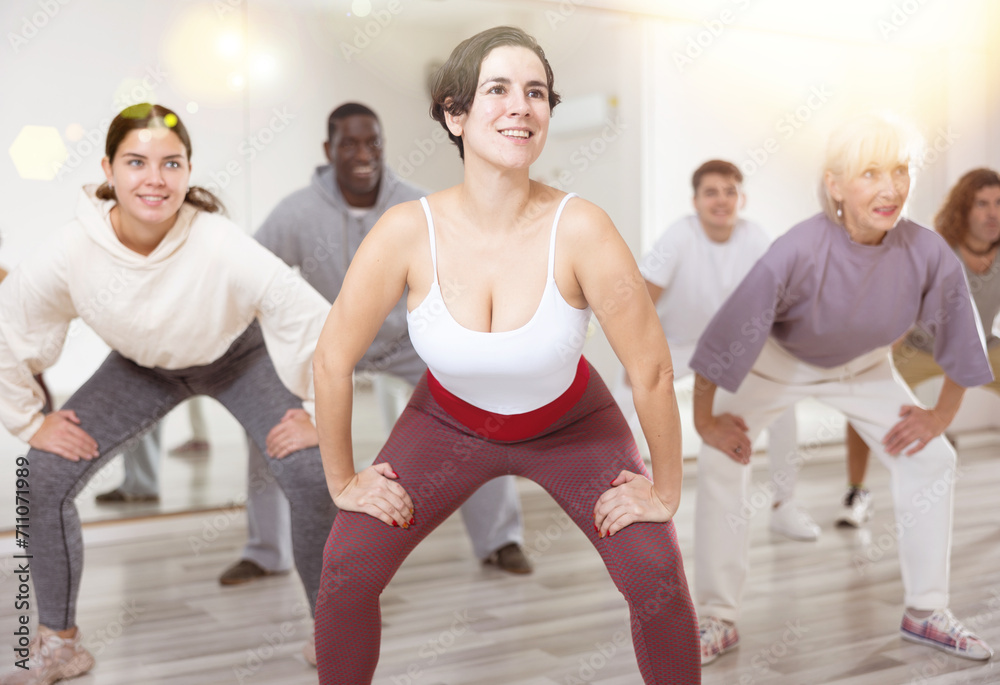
[361, 8]
[145, 135]
[74, 132]
[192, 107]
[263, 65]
[38, 153]
[229, 44]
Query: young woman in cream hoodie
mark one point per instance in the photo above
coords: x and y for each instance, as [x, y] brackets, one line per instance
[177, 292]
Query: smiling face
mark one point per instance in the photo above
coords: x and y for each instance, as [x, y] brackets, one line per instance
[355, 151]
[872, 201]
[717, 202]
[150, 174]
[509, 117]
[984, 218]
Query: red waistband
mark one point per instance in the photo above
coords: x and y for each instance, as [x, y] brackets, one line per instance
[511, 427]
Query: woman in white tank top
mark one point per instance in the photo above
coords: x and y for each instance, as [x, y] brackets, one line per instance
[499, 302]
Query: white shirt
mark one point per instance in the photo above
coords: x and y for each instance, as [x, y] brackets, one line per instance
[697, 274]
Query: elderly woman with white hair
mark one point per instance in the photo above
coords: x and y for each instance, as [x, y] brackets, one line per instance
[815, 318]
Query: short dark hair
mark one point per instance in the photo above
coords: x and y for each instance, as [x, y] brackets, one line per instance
[715, 166]
[458, 78]
[952, 220]
[348, 109]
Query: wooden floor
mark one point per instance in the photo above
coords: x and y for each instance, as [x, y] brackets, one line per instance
[824, 612]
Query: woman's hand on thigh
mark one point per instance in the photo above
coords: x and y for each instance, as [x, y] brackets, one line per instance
[60, 434]
[728, 433]
[918, 426]
[631, 498]
[374, 491]
[294, 432]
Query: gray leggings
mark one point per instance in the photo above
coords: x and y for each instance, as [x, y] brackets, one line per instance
[121, 401]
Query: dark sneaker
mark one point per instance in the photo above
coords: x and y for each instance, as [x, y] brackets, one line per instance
[509, 558]
[857, 509]
[245, 571]
[119, 496]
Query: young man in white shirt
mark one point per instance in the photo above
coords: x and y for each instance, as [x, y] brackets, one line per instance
[692, 268]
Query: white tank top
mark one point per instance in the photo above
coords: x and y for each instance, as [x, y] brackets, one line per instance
[507, 372]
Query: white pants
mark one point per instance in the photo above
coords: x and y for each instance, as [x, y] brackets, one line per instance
[868, 393]
[782, 434]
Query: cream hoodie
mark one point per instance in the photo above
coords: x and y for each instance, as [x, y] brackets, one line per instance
[182, 305]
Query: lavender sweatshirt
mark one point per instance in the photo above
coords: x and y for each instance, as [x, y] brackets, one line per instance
[828, 300]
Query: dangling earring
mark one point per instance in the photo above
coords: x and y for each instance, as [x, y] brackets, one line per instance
[840, 210]
[111, 184]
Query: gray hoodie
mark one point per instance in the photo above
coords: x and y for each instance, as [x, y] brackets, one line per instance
[314, 230]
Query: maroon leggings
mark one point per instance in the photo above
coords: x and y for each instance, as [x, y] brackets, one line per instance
[440, 462]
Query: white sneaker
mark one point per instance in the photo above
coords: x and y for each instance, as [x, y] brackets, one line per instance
[857, 509]
[945, 632]
[792, 521]
[52, 658]
[717, 638]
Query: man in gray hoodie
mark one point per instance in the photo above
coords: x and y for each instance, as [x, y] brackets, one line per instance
[318, 229]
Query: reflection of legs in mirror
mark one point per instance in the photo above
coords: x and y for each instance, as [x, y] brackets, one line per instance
[142, 472]
[198, 444]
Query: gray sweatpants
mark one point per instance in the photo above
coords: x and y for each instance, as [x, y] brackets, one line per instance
[119, 403]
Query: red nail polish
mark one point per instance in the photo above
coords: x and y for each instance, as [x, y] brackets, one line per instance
[612, 484]
[395, 525]
[412, 521]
